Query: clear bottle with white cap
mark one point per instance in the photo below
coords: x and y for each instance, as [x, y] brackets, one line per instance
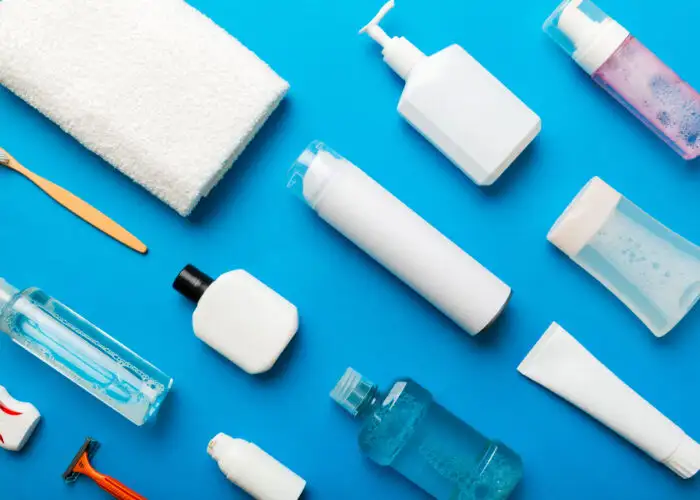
[455, 103]
[651, 269]
[405, 429]
[630, 72]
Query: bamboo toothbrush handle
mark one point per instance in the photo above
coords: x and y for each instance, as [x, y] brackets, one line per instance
[81, 208]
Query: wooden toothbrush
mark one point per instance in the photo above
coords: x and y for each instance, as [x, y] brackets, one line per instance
[79, 207]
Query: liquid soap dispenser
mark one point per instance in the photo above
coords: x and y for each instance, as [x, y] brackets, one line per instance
[455, 103]
[629, 72]
[240, 317]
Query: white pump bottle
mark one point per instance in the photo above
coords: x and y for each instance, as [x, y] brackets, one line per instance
[455, 103]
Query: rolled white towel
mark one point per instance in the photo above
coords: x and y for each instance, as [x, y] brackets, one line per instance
[154, 87]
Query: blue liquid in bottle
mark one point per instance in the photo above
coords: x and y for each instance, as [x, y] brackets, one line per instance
[83, 353]
[409, 432]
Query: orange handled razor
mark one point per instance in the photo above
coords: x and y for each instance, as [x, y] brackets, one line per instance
[81, 466]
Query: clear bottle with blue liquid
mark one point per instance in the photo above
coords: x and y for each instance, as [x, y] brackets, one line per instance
[409, 432]
[83, 353]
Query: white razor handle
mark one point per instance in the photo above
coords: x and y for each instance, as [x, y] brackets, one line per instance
[17, 421]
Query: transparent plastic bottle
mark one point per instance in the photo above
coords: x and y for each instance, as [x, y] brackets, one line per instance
[651, 269]
[630, 72]
[83, 353]
[407, 431]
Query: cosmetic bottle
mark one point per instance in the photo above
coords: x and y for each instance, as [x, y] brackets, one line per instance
[405, 429]
[17, 421]
[398, 238]
[630, 72]
[83, 353]
[240, 317]
[455, 103]
[562, 365]
[253, 470]
[651, 269]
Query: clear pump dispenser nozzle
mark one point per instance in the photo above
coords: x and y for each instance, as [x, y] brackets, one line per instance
[398, 52]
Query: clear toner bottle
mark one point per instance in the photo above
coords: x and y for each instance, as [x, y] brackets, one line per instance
[409, 432]
[83, 353]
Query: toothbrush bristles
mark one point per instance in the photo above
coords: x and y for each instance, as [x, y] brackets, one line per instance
[3, 157]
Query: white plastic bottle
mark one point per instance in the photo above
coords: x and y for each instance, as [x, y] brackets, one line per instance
[455, 103]
[240, 317]
[253, 470]
[398, 238]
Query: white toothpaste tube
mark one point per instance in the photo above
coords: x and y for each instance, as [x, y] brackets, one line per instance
[562, 365]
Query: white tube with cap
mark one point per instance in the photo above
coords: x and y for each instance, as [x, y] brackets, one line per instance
[455, 103]
[254, 471]
[17, 421]
[398, 238]
[562, 365]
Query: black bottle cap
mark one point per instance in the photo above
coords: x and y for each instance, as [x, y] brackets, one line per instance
[192, 283]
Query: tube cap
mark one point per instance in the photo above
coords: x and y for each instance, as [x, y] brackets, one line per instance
[584, 217]
[351, 391]
[685, 461]
[17, 421]
[192, 283]
[253, 470]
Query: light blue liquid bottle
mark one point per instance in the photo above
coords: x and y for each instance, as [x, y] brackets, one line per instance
[83, 353]
[407, 431]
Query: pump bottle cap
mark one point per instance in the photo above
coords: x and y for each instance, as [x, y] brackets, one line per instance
[587, 33]
[400, 54]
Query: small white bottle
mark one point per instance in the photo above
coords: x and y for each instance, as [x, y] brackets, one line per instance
[461, 108]
[252, 469]
[17, 421]
[240, 317]
[398, 238]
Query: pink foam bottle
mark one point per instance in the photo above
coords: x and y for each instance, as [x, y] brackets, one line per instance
[630, 72]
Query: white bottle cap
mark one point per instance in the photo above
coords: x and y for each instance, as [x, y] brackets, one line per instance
[584, 217]
[586, 33]
[17, 421]
[400, 54]
[253, 470]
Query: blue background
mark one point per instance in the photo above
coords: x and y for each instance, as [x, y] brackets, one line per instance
[353, 312]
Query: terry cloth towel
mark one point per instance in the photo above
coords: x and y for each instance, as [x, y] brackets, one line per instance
[152, 86]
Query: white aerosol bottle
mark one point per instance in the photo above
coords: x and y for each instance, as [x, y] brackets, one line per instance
[398, 238]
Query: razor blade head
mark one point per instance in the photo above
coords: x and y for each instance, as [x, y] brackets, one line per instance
[88, 448]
